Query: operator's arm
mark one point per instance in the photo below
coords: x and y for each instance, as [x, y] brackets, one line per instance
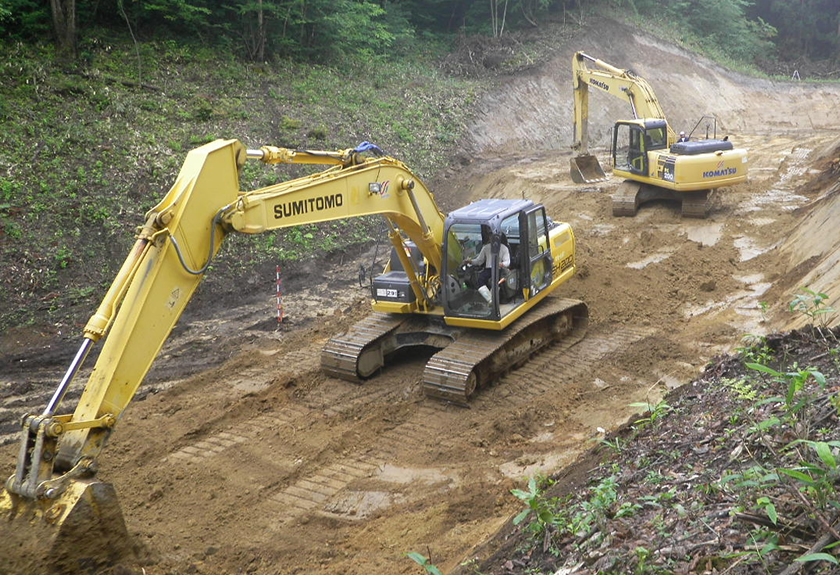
[504, 256]
[481, 258]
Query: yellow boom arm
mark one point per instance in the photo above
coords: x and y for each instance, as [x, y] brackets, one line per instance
[173, 250]
[623, 84]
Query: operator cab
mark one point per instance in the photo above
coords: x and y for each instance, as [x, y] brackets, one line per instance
[633, 139]
[522, 227]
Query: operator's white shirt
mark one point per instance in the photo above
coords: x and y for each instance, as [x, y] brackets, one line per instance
[483, 256]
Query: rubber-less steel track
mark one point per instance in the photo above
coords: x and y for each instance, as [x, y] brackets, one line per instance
[359, 352]
[695, 204]
[477, 357]
[469, 358]
[625, 202]
[630, 195]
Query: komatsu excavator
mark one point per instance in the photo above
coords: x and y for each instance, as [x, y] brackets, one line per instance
[428, 295]
[645, 150]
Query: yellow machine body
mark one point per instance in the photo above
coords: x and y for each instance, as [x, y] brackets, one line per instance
[54, 486]
[645, 149]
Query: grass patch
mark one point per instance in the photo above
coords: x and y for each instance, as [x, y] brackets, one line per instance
[85, 151]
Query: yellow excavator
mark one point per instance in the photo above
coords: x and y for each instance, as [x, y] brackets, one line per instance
[429, 294]
[646, 151]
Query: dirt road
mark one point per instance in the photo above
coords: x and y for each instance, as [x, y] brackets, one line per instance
[263, 465]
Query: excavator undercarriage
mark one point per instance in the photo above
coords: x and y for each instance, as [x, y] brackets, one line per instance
[468, 358]
[630, 195]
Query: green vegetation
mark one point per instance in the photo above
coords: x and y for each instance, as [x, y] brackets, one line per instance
[746, 477]
[338, 30]
[85, 151]
[96, 124]
[424, 562]
[722, 29]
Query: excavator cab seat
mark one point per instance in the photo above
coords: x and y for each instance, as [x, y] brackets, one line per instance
[509, 277]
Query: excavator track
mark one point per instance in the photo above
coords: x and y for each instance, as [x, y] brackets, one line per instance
[695, 204]
[359, 353]
[468, 358]
[625, 202]
[477, 358]
[630, 195]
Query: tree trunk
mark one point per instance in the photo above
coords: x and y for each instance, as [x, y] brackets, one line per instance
[260, 32]
[64, 27]
[493, 24]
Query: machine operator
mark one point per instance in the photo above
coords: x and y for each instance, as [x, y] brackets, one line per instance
[484, 259]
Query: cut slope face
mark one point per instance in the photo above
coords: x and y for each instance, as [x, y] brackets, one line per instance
[265, 466]
[535, 112]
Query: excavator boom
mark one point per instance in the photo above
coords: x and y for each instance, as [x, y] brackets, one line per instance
[425, 297]
[623, 84]
[645, 149]
[53, 481]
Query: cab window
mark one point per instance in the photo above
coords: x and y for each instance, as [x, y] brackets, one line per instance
[464, 294]
[657, 139]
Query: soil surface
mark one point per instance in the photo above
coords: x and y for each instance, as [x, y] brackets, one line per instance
[703, 482]
[239, 456]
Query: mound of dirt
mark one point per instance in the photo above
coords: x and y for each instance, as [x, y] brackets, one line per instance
[534, 111]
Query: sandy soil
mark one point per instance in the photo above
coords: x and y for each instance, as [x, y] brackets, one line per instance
[263, 465]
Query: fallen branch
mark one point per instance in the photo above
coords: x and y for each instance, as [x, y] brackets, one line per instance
[798, 531]
[794, 567]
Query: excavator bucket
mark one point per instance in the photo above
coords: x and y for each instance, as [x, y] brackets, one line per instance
[585, 169]
[82, 531]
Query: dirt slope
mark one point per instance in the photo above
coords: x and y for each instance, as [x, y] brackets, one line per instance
[534, 112]
[262, 465]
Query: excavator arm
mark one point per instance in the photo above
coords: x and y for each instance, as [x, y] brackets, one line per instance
[173, 250]
[623, 84]
[645, 150]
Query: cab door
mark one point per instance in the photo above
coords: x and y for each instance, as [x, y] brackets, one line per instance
[629, 152]
[537, 261]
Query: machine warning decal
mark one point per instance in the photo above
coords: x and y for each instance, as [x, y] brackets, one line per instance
[300, 207]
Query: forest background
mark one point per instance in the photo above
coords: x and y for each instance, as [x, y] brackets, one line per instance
[101, 99]
[335, 29]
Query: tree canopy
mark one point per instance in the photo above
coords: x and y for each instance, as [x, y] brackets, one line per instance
[335, 29]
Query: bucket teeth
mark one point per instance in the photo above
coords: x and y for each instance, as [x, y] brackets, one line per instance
[585, 169]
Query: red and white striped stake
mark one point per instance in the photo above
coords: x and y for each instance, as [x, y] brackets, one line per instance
[279, 297]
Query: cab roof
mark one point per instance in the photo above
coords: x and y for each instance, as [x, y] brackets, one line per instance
[488, 210]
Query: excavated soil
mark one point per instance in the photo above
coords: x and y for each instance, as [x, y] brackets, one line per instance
[260, 464]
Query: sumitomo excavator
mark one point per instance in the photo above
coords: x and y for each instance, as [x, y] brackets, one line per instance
[646, 150]
[427, 295]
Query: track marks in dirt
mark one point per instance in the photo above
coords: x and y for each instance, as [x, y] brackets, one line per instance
[336, 488]
[314, 492]
[561, 363]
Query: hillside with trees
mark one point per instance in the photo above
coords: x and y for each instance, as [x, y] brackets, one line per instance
[99, 100]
